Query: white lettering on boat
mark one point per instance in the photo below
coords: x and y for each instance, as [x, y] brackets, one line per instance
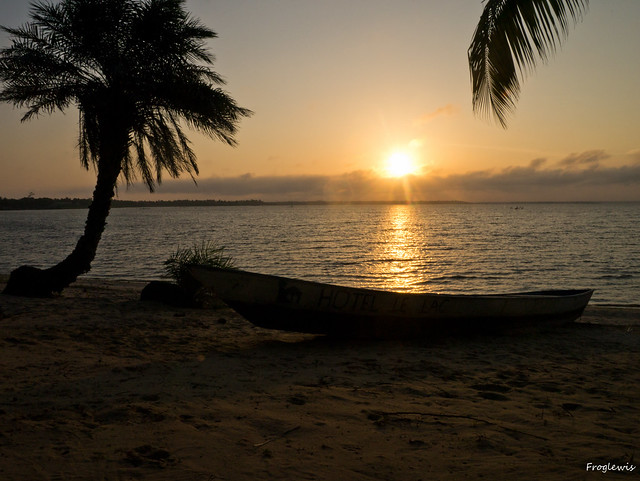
[399, 304]
[430, 304]
[288, 294]
[343, 300]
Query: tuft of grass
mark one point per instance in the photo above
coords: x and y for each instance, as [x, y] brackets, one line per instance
[206, 253]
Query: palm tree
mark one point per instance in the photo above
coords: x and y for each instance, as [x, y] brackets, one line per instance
[138, 72]
[510, 34]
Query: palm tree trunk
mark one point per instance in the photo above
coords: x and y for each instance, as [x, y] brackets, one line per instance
[33, 282]
[79, 261]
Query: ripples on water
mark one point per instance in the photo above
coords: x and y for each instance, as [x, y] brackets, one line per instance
[457, 248]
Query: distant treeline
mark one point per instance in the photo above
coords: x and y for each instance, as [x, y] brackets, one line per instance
[33, 203]
[42, 203]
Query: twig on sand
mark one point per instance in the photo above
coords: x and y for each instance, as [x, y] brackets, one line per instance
[460, 416]
[280, 436]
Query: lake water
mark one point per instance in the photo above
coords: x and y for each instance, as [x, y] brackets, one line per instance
[453, 248]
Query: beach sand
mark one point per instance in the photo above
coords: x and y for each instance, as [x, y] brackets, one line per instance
[97, 385]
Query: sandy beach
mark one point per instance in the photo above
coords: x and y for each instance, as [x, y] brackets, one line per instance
[97, 385]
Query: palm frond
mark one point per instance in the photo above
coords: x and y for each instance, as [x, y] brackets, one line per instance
[142, 162]
[136, 69]
[511, 36]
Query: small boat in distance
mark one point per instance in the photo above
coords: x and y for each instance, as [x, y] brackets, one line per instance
[275, 302]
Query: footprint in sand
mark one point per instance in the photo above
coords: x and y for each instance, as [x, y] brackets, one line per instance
[149, 455]
[492, 391]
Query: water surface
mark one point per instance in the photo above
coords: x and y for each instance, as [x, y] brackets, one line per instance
[453, 248]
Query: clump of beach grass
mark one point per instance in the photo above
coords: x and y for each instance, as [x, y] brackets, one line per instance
[207, 253]
[186, 290]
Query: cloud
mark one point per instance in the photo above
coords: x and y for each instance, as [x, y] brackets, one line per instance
[564, 182]
[535, 163]
[634, 155]
[249, 184]
[445, 110]
[579, 177]
[514, 179]
[349, 186]
[592, 157]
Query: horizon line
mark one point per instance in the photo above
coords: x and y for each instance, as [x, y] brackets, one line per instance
[49, 203]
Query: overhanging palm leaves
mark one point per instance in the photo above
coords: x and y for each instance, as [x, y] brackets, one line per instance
[509, 39]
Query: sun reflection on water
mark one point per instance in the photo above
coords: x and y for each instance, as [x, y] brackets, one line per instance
[400, 250]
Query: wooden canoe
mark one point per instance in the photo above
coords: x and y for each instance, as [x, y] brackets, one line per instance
[303, 306]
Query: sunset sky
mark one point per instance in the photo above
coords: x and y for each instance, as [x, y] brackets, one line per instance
[338, 87]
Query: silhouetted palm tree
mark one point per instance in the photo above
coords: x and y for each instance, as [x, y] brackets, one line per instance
[510, 34]
[138, 72]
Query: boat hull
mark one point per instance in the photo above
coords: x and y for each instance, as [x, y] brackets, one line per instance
[303, 306]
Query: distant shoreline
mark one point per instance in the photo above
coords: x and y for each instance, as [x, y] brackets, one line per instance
[47, 203]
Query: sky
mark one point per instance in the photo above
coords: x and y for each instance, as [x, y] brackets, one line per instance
[338, 87]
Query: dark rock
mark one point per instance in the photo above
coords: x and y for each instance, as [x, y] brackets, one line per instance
[28, 281]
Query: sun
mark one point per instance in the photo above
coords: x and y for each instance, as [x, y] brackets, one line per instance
[401, 164]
